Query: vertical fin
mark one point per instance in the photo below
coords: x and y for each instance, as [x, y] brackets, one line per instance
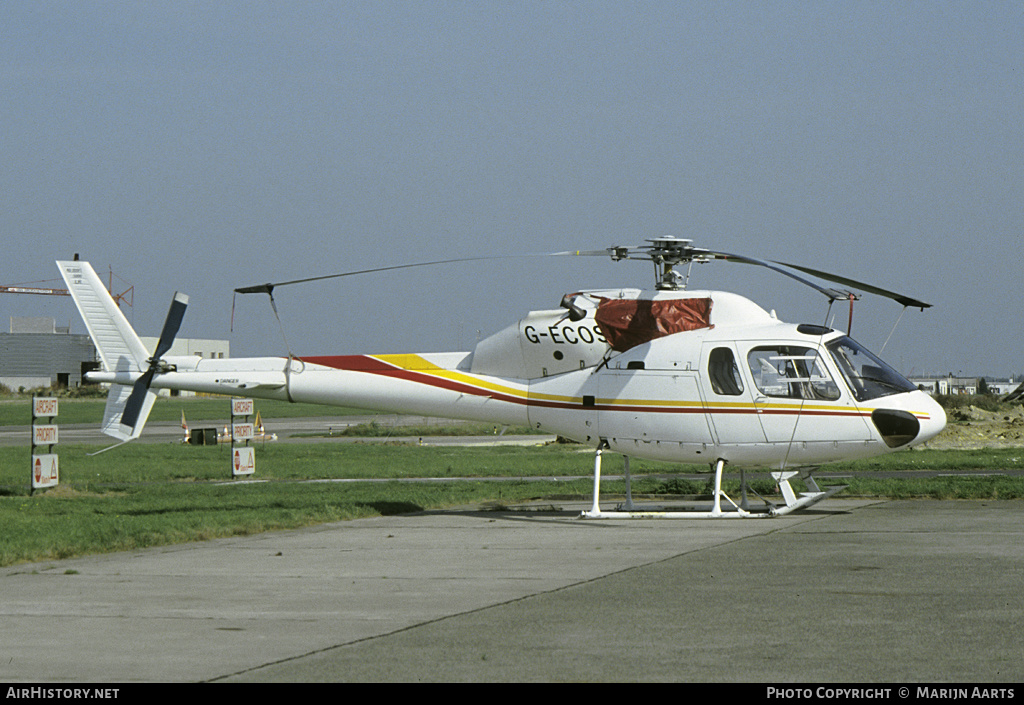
[117, 398]
[119, 348]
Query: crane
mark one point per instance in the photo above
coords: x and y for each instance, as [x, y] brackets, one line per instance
[125, 296]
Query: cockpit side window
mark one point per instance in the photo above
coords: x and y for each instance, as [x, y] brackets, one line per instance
[867, 376]
[791, 371]
[724, 372]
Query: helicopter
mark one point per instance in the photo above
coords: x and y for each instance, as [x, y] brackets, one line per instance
[668, 374]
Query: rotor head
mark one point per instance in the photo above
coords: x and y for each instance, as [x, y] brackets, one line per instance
[666, 253]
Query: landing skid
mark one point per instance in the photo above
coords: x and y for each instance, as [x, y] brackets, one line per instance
[731, 510]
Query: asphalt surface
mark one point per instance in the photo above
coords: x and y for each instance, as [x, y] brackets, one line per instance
[848, 591]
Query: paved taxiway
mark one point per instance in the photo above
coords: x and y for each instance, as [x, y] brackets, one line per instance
[849, 591]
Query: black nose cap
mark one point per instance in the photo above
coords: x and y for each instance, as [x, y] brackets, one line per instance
[897, 427]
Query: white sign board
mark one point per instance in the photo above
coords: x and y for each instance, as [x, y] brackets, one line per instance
[244, 461]
[44, 434]
[243, 431]
[44, 406]
[241, 407]
[44, 471]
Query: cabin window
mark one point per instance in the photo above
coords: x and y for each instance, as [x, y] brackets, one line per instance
[791, 371]
[724, 373]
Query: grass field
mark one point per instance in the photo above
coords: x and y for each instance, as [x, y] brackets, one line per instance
[18, 410]
[146, 495]
[142, 495]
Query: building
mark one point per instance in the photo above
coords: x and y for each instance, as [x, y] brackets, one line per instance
[955, 384]
[35, 353]
[200, 347]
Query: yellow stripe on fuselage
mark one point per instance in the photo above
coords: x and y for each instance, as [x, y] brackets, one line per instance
[417, 363]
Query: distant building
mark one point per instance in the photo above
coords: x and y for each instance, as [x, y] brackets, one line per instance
[200, 347]
[953, 384]
[36, 353]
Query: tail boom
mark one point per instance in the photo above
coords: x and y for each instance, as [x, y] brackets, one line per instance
[433, 384]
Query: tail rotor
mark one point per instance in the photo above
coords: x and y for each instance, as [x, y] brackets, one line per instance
[140, 390]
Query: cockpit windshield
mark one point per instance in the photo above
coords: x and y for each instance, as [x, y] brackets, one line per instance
[867, 376]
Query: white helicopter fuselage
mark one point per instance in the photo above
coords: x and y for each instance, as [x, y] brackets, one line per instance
[745, 387]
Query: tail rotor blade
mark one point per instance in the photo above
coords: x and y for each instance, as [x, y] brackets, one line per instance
[133, 406]
[171, 324]
[136, 401]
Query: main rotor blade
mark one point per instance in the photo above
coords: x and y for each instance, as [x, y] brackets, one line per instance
[584, 253]
[830, 293]
[900, 298]
[845, 281]
[268, 288]
[617, 253]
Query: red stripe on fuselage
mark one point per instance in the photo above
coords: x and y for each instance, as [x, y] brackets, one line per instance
[372, 365]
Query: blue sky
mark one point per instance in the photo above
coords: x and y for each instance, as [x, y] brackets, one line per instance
[202, 146]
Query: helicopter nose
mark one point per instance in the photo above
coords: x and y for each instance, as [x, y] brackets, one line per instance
[932, 425]
[900, 427]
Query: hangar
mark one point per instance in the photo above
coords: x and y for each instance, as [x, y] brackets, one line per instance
[37, 353]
